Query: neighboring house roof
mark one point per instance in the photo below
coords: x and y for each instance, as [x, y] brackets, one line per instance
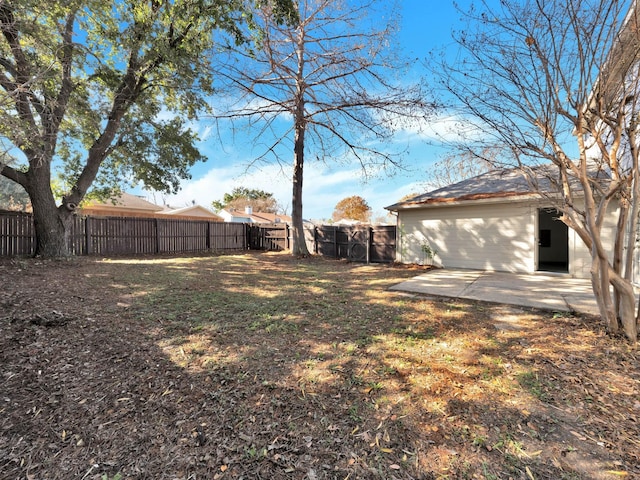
[347, 221]
[128, 205]
[246, 216]
[193, 211]
[261, 217]
[125, 202]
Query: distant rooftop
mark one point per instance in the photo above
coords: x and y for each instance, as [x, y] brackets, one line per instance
[127, 201]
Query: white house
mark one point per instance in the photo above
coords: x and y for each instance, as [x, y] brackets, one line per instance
[495, 222]
[194, 212]
[249, 216]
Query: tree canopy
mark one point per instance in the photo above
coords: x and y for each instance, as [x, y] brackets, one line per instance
[241, 197]
[104, 92]
[352, 208]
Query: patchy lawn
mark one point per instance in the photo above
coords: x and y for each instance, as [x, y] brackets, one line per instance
[263, 366]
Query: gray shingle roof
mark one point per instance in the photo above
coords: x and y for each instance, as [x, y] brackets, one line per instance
[494, 184]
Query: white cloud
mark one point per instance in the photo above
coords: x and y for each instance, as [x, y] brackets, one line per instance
[324, 186]
[443, 128]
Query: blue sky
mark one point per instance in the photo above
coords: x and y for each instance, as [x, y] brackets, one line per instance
[426, 25]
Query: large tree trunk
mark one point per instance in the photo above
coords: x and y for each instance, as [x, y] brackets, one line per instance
[52, 223]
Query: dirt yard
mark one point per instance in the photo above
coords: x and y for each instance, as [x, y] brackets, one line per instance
[263, 366]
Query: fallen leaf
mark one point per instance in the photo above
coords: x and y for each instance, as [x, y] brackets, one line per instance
[394, 466]
[580, 437]
[529, 474]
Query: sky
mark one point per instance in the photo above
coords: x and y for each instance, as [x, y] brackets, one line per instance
[425, 25]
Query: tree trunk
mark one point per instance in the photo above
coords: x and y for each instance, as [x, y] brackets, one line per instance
[627, 304]
[602, 295]
[618, 248]
[52, 223]
[298, 243]
[624, 291]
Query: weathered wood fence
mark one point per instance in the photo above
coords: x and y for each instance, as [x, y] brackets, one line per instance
[17, 234]
[272, 237]
[137, 236]
[126, 235]
[359, 243]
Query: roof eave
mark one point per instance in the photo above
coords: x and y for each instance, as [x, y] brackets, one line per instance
[476, 200]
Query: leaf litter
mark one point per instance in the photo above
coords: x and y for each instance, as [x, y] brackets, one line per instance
[262, 365]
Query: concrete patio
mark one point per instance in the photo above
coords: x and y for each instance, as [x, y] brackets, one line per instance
[545, 291]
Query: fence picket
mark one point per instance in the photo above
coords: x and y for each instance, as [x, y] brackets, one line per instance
[136, 236]
[125, 235]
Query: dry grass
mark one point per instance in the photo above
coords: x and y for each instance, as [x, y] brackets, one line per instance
[265, 366]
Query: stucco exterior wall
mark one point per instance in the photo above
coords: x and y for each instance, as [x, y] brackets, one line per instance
[494, 237]
[487, 237]
[579, 255]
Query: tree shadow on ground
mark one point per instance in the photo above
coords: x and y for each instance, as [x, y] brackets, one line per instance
[264, 366]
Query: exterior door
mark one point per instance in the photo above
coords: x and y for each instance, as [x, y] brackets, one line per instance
[553, 242]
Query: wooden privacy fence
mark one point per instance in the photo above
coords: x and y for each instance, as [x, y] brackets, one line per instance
[272, 237]
[17, 234]
[136, 236]
[126, 235]
[358, 243]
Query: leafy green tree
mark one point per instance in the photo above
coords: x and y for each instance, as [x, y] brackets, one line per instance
[352, 208]
[241, 197]
[329, 84]
[106, 90]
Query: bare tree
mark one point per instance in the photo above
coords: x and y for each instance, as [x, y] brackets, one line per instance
[330, 86]
[556, 83]
[457, 166]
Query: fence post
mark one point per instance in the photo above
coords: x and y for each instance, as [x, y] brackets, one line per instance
[87, 235]
[287, 232]
[369, 237]
[208, 241]
[156, 224]
[315, 239]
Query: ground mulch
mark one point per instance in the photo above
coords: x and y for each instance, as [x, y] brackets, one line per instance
[267, 366]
